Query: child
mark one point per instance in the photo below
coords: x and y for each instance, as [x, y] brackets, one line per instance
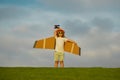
[59, 48]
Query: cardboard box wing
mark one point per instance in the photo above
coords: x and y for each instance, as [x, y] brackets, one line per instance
[49, 43]
[72, 47]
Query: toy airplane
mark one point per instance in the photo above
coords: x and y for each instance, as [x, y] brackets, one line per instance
[49, 43]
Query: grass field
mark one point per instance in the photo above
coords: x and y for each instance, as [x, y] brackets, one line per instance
[32, 73]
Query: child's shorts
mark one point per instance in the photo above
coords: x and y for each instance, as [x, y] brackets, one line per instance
[58, 56]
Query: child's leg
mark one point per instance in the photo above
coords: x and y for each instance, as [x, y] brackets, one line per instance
[56, 59]
[61, 63]
[56, 64]
[62, 60]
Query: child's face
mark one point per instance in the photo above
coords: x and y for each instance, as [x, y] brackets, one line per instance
[60, 34]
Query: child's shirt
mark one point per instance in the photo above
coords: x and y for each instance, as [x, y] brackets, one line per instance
[60, 44]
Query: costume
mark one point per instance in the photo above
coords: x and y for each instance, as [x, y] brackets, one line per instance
[60, 44]
[59, 48]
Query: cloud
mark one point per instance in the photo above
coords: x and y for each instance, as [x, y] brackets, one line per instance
[80, 6]
[17, 51]
[76, 28]
[103, 24]
[95, 32]
[97, 39]
[12, 12]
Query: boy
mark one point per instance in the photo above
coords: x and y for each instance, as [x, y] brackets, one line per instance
[59, 48]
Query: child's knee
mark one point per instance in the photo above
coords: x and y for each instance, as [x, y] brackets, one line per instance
[61, 62]
[56, 62]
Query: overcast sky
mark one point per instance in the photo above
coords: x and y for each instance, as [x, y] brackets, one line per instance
[93, 24]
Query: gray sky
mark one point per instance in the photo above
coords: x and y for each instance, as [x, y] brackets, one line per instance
[93, 24]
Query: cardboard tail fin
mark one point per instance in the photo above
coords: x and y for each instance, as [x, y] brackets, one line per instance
[34, 44]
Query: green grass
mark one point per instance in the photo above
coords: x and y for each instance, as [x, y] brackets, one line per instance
[29, 73]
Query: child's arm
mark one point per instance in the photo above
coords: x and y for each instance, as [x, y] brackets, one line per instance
[55, 34]
[69, 40]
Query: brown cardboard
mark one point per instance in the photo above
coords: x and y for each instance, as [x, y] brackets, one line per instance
[49, 43]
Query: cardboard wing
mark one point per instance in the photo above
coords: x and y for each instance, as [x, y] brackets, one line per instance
[49, 43]
[72, 47]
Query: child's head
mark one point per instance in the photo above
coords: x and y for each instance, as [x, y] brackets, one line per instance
[60, 33]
